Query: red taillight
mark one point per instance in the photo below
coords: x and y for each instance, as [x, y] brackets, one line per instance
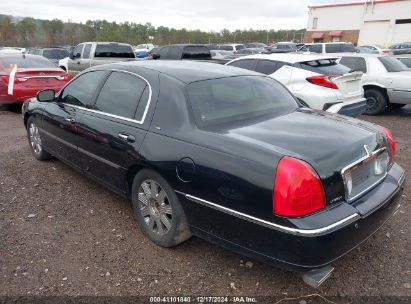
[386, 51]
[298, 190]
[323, 81]
[5, 79]
[391, 141]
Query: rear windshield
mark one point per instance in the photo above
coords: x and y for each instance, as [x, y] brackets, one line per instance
[325, 67]
[114, 51]
[55, 54]
[231, 99]
[196, 52]
[392, 64]
[406, 61]
[27, 62]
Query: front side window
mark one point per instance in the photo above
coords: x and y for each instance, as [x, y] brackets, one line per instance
[55, 53]
[80, 91]
[120, 95]
[86, 52]
[163, 52]
[315, 48]
[234, 99]
[77, 51]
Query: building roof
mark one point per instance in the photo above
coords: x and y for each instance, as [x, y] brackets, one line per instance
[350, 4]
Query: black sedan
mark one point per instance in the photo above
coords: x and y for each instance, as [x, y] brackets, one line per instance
[225, 154]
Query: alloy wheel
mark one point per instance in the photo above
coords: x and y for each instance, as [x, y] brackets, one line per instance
[155, 207]
[35, 139]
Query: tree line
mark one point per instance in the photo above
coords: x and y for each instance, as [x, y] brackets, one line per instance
[30, 32]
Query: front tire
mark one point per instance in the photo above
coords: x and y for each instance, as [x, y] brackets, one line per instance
[158, 210]
[376, 102]
[35, 141]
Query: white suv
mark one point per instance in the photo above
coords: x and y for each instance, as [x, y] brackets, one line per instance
[318, 82]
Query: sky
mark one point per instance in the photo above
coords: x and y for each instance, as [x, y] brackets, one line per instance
[209, 15]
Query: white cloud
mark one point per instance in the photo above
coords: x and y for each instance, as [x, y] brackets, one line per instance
[204, 15]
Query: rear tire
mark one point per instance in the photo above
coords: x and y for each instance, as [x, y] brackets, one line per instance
[35, 141]
[376, 102]
[158, 210]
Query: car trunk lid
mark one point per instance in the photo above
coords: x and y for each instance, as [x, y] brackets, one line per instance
[349, 85]
[40, 77]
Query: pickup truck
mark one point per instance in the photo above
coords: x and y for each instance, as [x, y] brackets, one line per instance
[197, 52]
[88, 54]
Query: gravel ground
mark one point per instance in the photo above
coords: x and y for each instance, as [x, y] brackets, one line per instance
[63, 234]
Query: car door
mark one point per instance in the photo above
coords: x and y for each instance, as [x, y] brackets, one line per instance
[113, 129]
[74, 63]
[85, 61]
[60, 117]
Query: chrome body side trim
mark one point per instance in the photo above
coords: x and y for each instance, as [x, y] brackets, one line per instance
[289, 230]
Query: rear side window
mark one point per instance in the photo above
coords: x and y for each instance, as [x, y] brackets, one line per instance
[266, 67]
[86, 52]
[354, 63]
[247, 64]
[27, 62]
[315, 48]
[114, 51]
[226, 47]
[80, 91]
[406, 61]
[120, 95]
[392, 64]
[325, 67]
[196, 52]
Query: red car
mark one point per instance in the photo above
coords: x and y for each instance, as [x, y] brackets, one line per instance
[22, 76]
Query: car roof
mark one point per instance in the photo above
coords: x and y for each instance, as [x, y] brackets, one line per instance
[289, 57]
[185, 71]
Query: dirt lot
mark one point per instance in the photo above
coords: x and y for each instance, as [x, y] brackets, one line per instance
[63, 234]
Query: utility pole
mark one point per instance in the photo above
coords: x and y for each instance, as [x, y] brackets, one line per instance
[267, 39]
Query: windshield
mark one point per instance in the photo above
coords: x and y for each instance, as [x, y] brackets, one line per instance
[392, 64]
[27, 62]
[55, 54]
[232, 99]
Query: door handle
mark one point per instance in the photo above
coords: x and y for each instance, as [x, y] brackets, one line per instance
[126, 137]
[70, 119]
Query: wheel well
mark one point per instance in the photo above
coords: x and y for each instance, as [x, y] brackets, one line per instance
[26, 118]
[130, 174]
[382, 90]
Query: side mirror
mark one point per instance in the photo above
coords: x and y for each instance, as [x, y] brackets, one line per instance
[156, 56]
[71, 55]
[46, 95]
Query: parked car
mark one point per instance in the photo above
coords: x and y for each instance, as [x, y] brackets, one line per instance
[238, 162]
[283, 48]
[386, 81]
[88, 54]
[318, 82]
[328, 47]
[221, 54]
[377, 49]
[22, 76]
[255, 45]
[186, 52]
[252, 51]
[52, 54]
[361, 49]
[401, 48]
[16, 50]
[233, 47]
[405, 59]
[142, 50]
